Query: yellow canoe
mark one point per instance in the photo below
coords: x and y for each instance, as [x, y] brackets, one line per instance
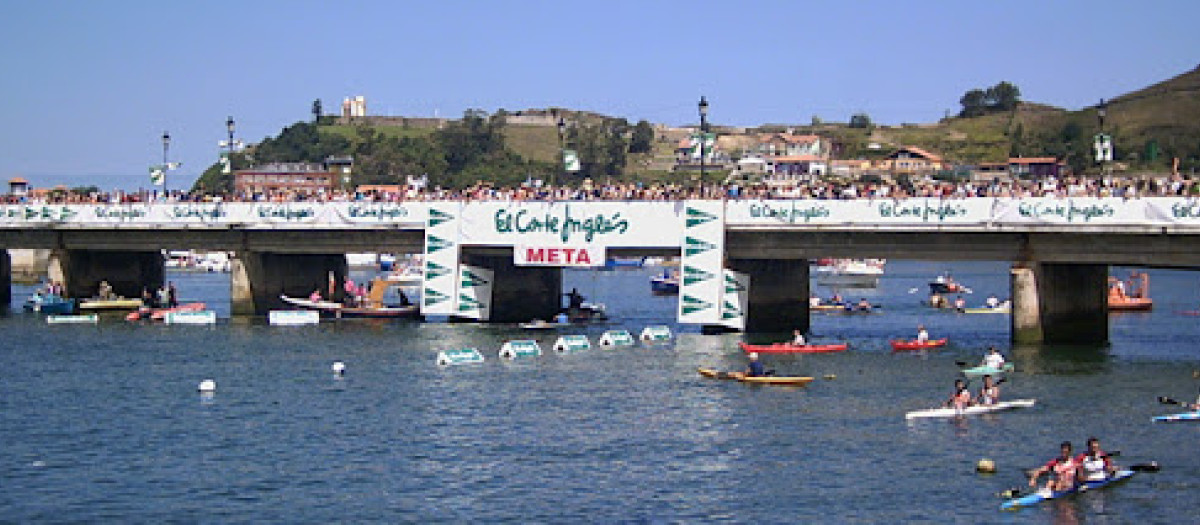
[110, 304]
[761, 380]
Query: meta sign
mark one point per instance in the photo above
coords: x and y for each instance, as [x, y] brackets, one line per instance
[581, 256]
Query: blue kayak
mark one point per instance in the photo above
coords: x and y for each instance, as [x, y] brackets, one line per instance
[1040, 496]
[1183, 416]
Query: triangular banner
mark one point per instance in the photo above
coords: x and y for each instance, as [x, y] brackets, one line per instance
[697, 217]
[693, 275]
[437, 217]
[436, 243]
[434, 270]
[696, 246]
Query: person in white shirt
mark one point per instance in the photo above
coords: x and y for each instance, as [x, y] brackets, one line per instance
[798, 338]
[992, 301]
[922, 334]
[993, 359]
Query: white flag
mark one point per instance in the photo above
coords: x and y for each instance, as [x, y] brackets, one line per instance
[157, 176]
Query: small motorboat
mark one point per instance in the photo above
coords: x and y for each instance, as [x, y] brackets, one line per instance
[1133, 296]
[851, 273]
[899, 345]
[946, 284]
[789, 348]
[665, 284]
[43, 303]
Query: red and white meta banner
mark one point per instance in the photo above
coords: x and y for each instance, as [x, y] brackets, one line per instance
[582, 256]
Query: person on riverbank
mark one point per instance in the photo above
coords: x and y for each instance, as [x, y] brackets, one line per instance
[989, 393]
[961, 398]
[755, 367]
[993, 359]
[1063, 470]
[922, 334]
[1095, 464]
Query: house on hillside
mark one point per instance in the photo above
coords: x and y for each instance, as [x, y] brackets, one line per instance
[18, 187]
[1036, 167]
[302, 178]
[911, 160]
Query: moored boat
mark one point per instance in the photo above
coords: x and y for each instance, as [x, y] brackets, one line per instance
[788, 348]
[49, 304]
[971, 410]
[851, 273]
[1043, 495]
[665, 284]
[902, 344]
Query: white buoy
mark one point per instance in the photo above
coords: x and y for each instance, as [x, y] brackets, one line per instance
[985, 466]
[208, 385]
[339, 367]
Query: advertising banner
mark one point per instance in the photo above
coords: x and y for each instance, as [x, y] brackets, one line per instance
[562, 256]
[701, 262]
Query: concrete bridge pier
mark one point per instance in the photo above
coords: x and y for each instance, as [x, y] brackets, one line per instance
[257, 279]
[1059, 303]
[521, 293]
[5, 279]
[128, 272]
[778, 296]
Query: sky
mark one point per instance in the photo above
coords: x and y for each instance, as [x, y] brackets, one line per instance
[88, 88]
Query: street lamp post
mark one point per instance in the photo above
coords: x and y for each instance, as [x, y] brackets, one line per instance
[229, 126]
[703, 135]
[562, 156]
[166, 140]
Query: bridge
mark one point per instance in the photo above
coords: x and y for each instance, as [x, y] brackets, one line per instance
[744, 262]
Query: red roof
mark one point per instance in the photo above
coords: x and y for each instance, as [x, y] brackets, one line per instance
[1032, 160]
[919, 152]
[17, 180]
[796, 158]
[789, 138]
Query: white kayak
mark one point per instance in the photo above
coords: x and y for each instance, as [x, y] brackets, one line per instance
[971, 410]
[1184, 416]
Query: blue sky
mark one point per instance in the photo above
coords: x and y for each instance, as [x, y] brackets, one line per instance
[89, 87]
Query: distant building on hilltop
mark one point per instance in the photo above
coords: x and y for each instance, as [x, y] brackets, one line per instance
[354, 107]
[302, 178]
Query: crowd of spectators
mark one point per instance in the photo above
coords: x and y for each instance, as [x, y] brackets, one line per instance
[1110, 186]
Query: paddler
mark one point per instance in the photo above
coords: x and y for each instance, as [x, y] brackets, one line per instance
[798, 338]
[864, 305]
[961, 398]
[1063, 469]
[989, 393]
[1095, 464]
[922, 334]
[993, 359]
[755, 367]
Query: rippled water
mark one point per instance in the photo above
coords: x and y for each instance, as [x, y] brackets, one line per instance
[104, 422]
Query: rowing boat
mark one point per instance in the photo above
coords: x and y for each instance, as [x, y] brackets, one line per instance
[901, 344]
[1043, 495]
[987, 370]
[986, 310]
[788, 348]
[971, 410]
[1182, 416]
[759, 380]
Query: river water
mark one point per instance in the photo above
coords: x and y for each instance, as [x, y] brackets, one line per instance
[104, 423]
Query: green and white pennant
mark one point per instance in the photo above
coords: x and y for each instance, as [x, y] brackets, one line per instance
[691, 305]
[466, 303]
[732, 285]
[696, 217]
[437, 217]
[730, 311]
[434, 270]
[696, 246]
[471, 279]
[435, 243]
[693, 275]
[434, 297]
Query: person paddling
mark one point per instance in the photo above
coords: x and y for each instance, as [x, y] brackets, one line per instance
[755, 367]
[798, 338]
[989, 393]
[922, 334]
[1095, 464]
[993, 359]
[961, 398]
[1063, 469]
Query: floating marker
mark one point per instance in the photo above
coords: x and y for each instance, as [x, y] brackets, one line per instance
[293, 317]
[339, 367]
[73, 319]
[208, 385]
[616, 338]
[465, 356]
[199, 317]
[657, 333]
[520, 348]
[572, 343]
[985, 466]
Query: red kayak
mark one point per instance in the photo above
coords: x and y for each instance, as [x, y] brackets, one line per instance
[900, 344]
[158, 314]
[788, 348]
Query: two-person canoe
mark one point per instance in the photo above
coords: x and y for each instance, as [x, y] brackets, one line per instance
[1043, 495]
[760, 380]
[1182, 416]
[971, 410]
[788, 348]
[901, 344]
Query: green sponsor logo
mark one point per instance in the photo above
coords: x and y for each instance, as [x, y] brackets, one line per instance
[437, 217]
[697, 217]
[471, 279]
[691, 305]
[693, 275]
[434, 270]
[433, 297]
[467, 303]
[730, 311]
[434, 243]
[732, 285]
[694, 246]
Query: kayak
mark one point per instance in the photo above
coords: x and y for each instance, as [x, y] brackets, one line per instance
[788, 348]
[986, 310]
[1183, 416]
[901, 344]
[971, 410]
[987, 370]
[1043, 495]
[761, 380]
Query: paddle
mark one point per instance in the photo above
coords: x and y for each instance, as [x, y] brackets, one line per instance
[1168, 401]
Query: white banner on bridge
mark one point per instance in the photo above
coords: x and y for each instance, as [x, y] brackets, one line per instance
[735, 298]
[701, 262]
[439, 290]
[474, 292]
[860, 212]
[638, 224]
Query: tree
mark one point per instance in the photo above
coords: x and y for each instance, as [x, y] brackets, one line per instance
[1003, 96]
[642, 140]
[860, 120]
[974, 103]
